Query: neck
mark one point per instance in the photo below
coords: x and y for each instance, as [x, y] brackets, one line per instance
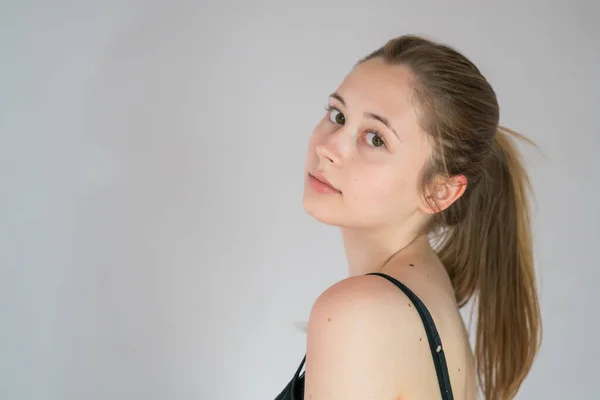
[369, 251]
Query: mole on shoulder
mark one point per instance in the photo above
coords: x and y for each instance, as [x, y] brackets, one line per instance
[411, 265]
[328, 319]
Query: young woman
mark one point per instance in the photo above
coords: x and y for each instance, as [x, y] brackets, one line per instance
[432, 202]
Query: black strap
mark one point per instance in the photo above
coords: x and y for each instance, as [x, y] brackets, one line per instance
[298, 380]
[295, 389]
[435, 342]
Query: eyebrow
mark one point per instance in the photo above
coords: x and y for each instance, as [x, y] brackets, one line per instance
[379, 118]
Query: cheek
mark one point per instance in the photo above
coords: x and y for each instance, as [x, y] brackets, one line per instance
[383, 191]
[372, 186]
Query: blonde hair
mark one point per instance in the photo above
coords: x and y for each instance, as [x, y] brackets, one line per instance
[485, 236]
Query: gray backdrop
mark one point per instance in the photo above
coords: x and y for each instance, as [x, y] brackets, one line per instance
[152, 239]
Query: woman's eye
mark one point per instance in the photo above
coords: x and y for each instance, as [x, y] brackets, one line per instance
[374, 139]
[337, 117]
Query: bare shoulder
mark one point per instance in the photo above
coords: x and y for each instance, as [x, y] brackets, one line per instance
[360, 299]
[364, 338]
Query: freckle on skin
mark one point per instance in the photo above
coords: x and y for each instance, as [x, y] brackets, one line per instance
[409, 304]
[411, 265]
[328, 319]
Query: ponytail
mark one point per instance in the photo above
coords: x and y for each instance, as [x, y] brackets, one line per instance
[484, 237]
[489, 253]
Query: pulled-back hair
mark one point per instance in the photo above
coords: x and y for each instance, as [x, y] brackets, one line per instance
[485, 236]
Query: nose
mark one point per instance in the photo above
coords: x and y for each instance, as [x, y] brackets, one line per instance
[336, 146]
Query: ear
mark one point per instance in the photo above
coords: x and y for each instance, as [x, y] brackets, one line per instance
[443, 193]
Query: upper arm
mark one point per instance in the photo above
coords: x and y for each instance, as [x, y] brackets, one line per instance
[363, 339]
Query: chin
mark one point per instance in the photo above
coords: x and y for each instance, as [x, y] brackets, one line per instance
[326, 209]
[331, 210]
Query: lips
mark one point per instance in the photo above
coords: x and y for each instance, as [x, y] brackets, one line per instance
[321, 178]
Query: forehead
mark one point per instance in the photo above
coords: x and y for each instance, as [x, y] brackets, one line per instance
[379, 87]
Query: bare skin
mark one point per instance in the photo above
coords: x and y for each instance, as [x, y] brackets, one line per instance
[365, 339]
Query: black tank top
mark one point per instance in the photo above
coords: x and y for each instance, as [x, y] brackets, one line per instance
[295, 389]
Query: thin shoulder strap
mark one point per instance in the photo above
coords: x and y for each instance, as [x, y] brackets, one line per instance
[292, 389]
[435, 342]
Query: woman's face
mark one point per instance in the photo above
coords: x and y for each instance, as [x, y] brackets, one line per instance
[370, 149]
